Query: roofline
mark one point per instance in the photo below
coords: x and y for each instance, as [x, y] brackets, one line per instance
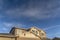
[9, 36]
[13, 28]
[27, 28]
[38, 29]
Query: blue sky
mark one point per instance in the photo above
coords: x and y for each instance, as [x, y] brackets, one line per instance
[44, 14]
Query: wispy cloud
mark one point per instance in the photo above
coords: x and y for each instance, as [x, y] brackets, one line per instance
[52, 27]
[8, 25]
[52, 31]
[29, 11]
[33, 9]
[57, 34]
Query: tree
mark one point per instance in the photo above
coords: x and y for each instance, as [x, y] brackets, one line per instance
[49, 39]
[56, 38]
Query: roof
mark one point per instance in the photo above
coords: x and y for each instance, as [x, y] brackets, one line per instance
[7, 35]
[38, 29]
[13, 36]
[13, 28]
[27, 29]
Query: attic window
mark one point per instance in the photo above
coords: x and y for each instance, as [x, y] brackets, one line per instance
[36, 32]
[33, 30]
[42, 33]
[40, 30]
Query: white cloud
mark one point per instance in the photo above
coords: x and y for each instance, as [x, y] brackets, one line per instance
[33, 10]
[52, 31]
[36, 11]
[57, 34]
[52, 27]
[14, 24]
[8, 24]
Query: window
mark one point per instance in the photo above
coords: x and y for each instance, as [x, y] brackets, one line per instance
[42, 33]
[24, 34]
[36, 32]
[39, 30]
[33, 30]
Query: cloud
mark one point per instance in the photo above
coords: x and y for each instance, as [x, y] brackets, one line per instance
[52, 31]
[28, 11]
[57, 34]
[32, 9]
[8, 25]
[51, 27]
[36, 12]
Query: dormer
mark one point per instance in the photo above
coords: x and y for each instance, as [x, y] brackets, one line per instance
[34, 30]
[38, 32]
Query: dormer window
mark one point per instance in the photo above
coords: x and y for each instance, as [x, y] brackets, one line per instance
[33, 31]
[36, 32]
[42, 34]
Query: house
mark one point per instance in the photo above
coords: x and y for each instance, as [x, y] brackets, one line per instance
[32, 33]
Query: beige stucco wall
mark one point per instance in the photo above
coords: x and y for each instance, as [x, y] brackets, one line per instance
[28, 38]
[34, 30]
[40, 32]
[21, 33]
[43, 33]
[6, 38]
[28, 34]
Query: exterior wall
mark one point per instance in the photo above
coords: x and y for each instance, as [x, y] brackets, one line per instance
[41, 33]
[35, 31]
[6, 38]
[28, 38]
[23, 33]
